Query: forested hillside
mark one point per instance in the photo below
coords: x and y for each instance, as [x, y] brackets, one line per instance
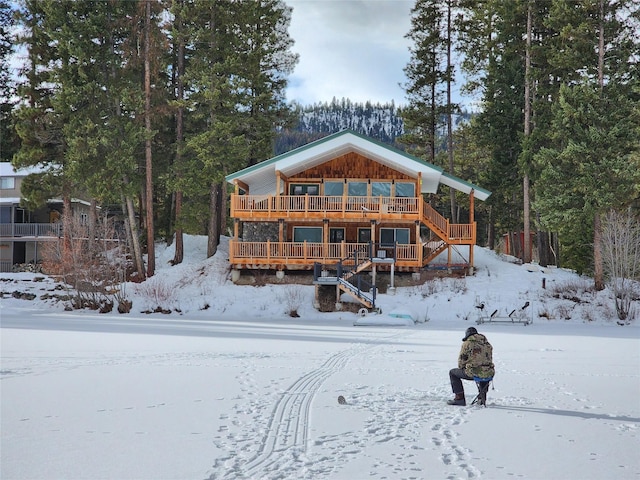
[382, 122]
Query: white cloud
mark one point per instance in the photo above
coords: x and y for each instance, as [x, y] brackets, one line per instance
[352, 49]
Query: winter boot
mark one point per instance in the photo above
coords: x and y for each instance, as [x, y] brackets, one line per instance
[458, 400]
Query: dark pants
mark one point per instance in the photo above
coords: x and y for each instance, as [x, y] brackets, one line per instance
[456, 375]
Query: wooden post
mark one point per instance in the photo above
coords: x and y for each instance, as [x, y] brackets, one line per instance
[325, 239]
[418, 244]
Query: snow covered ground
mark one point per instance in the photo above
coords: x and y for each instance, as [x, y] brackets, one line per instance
[232, 387]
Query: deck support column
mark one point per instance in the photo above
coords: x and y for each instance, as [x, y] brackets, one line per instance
[373, 275]
[235, 275]
[325, 239]
[473, 226]
[392, 289]
[418, 243]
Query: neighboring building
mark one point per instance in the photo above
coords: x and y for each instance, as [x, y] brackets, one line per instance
[22, 231]
[339, 197]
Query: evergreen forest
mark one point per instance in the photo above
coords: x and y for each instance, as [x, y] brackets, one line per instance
[145, 106]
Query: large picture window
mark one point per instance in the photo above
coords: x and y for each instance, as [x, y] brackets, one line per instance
[308, 234]
[332, 189]
[304, 189]
[357, 189]
[380, 189]
[405, 189]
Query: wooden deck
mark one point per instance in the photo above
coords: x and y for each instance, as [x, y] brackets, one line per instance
[266, 208]
[302, 255]
[313, 209]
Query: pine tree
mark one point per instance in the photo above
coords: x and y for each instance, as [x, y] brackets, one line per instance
[94, 102]
[8, 137]
[179, 38]
[493, 40]
[426, 73]
[237, 80]
[595, 125]
[41, 118]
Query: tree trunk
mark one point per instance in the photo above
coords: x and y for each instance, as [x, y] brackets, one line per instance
[151, 261]
[134, 236]
[223, 209]
[67, 226]
[92, 225]
[179, 254]
[598, 267]
[214, 220]
[454, 215]
[526, 248]
[491, 233]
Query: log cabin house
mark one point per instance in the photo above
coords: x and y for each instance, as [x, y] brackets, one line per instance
[348, 201]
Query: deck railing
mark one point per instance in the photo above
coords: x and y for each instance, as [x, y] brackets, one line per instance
[30, 230]
[308, 251]
[268, 204]
[261, 207]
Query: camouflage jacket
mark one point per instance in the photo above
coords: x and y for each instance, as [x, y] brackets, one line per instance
[476, 357]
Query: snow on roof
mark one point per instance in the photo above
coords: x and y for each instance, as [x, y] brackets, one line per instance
[261, 178]
[7, 170]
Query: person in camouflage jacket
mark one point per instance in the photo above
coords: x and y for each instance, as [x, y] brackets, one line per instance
[475, 360]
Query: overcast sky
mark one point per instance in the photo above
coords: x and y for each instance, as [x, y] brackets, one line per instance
[354, 49]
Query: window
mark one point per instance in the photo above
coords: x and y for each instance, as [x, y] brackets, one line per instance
[405, 189]
[309, 234]
[364, 235]
[303, 188]
[336, 235]
[357, 189]
[333, 189]
[380, 189]
[5, 214]
[389, 236]
[7, 183]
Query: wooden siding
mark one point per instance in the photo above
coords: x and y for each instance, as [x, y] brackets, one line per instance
[352, 165]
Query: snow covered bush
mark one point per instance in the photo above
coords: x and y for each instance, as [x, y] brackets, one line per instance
[292, 296]
[91, 262]
[621, 260]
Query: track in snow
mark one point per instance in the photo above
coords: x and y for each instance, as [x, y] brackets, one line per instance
[287, 430]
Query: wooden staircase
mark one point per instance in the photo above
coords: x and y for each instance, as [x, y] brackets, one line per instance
[346, 270]
[448, 234]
